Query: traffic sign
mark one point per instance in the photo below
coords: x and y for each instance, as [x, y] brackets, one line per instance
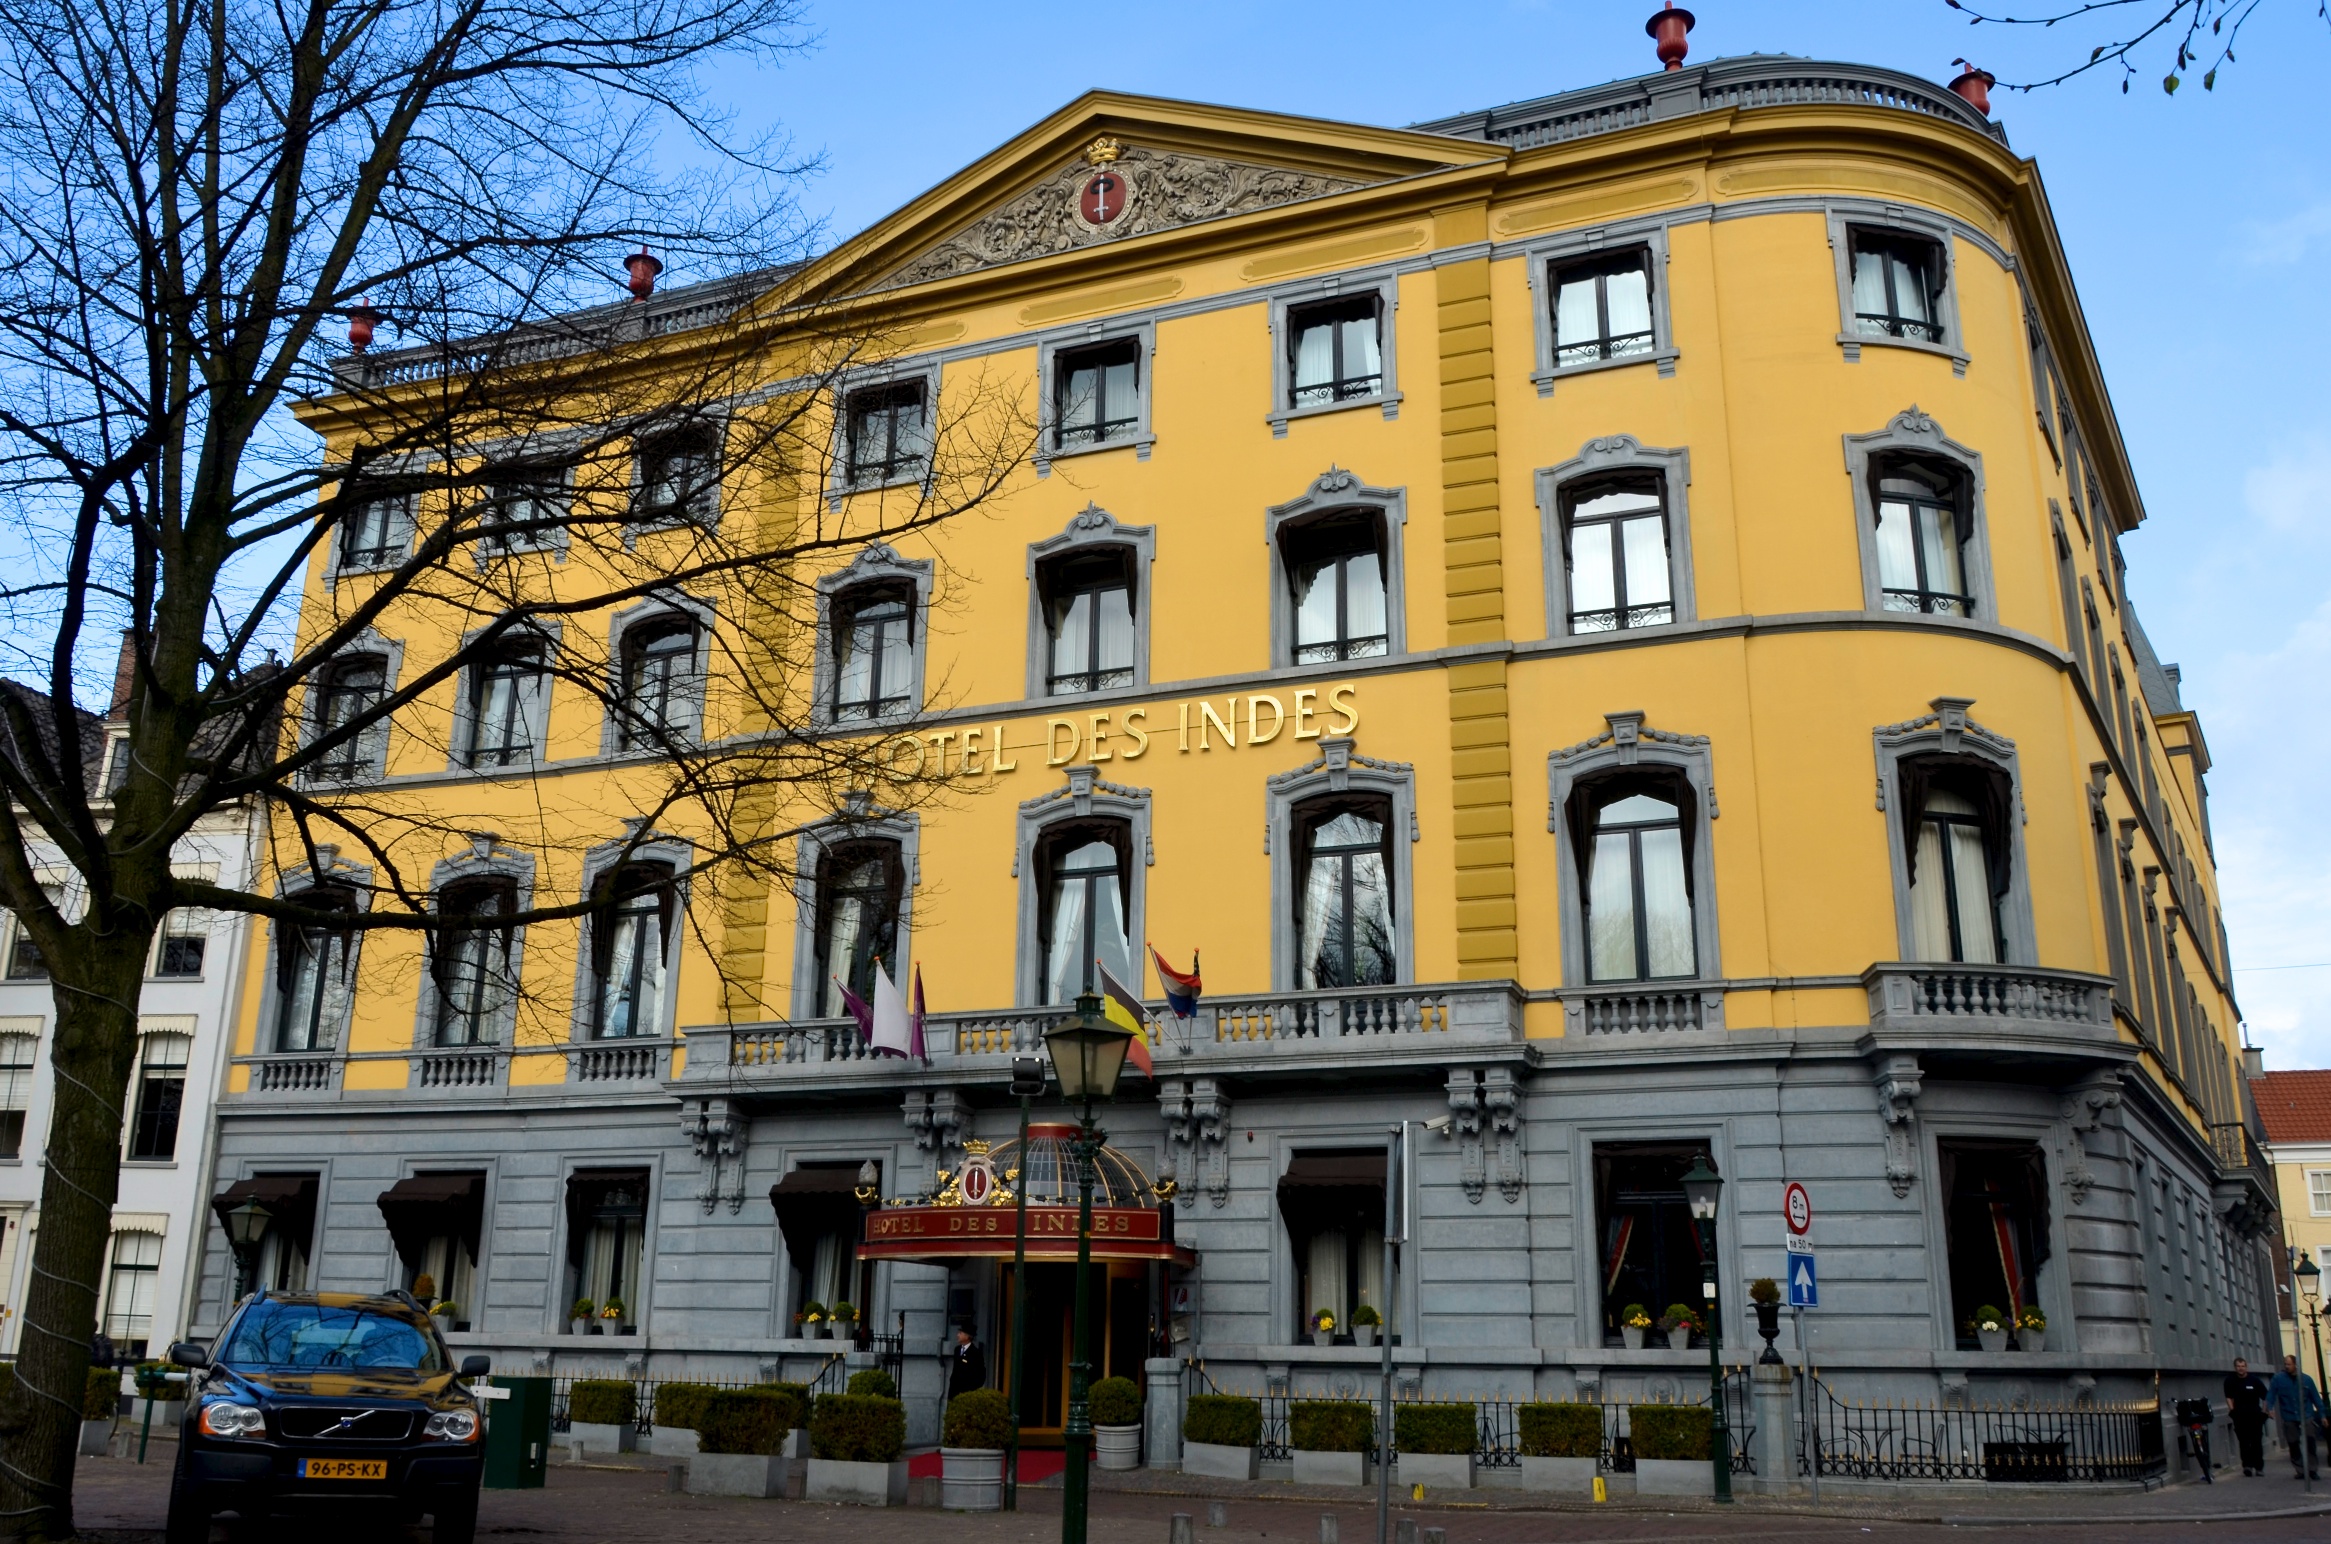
[1804, 1286]
[1798, 1243]
[1797, 1207]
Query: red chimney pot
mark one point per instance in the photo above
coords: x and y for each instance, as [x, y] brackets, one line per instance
[1668, 26]
[643, 268]
[362, 318]
[1975, 85]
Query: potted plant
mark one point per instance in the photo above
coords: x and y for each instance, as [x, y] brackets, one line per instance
[1219, 1433]
[1671, 1450]
[2031, 1329]
[1677, 1325]
[1435, 1443]
[613, 1315]
[677, 1413]
[854, 1445]
[1764, 1296]
[425, 1288]
[449, 1313]
[810, 1319]
[1990, 1327]
[842, 1321]
[1634, 1323]
[579, 1317]
[740, 1436]
[1322, 1327]
[1116, 1405]
[1365, 1321]
[1332, 1439]
[602, 1414]
[1562, 1445]
[971, 1450]
[100, 1403]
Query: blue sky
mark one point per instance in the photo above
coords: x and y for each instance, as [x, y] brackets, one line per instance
[2199, 230]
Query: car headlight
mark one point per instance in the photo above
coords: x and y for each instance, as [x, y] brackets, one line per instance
[453, 1425]
[222, 1418]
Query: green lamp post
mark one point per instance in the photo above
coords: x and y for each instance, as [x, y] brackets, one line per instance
[1703, 1191]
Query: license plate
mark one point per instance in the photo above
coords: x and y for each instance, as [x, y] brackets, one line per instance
[343, 1468]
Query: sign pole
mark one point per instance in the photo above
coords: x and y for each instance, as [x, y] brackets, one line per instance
[1811, 1439]
[1395, 1158]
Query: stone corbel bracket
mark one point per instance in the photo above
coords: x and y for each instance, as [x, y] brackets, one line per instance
[1465, 1131]
[716, 1132]
[1501, 1097]
[940, 1119]
[1197, 1138]
[2085, 1107]
[1897, 1081]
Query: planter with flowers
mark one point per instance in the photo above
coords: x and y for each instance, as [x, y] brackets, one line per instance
[2031, 1329]
[1322, 1327]
[1764, 1296]
[448, 1316]
[615, 1318]
[1634, 1324]
[842, 1321]
[810, 1320]
[1365, 1322]
[1990, 1328]
[1678, 1325]
[579, 1320]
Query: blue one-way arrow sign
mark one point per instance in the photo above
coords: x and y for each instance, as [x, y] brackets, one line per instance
[1804, 1288]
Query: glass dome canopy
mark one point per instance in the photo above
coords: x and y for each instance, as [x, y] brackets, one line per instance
[1050, 1172]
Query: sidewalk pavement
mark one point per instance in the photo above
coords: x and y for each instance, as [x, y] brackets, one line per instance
[121, 1503]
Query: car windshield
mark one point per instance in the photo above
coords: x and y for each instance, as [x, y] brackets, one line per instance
[272, 1334]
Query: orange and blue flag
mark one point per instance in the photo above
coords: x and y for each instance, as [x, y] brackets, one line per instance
[1181, 992]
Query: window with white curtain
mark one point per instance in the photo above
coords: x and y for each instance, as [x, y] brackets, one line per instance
[1332, 1201]
[1897, 286]
[630, 938]
[16, 1053]
[1923, 531]
[131, 1288]
[1343, 894]
[1634, 840]
[472, 960]
[1958, 863]
[1617, 548]
[1602, 308]
[1337, 351]
[1085, 870]
[859, 887]
[312, 985]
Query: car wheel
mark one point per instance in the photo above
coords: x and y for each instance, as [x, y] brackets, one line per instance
[454, 1522]
[189, 1520]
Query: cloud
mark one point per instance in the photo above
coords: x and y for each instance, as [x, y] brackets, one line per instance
[2279, 243]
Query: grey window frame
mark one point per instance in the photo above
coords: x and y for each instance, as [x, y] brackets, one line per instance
[332, 1025]
[583, 1010]
[545, 634]
[1896, 220]
[404, 524]
[1073, 340]
[648, 613]
[1541, 258]
[1616, 455]
[1083, 796]
[557, 477]
[1333, 492]
[1914, 436]
[134, 1127]
[860, 821]
[1090, 529]
[874, 565]
[485, 860]
[1338, 769]
[370, 758]
[1385, 286]
[1947, 731]
[1627, 743]
[646, 439]
[844, 480]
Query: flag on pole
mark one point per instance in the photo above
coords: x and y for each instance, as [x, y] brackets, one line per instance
[893, 1033]
[1181, 992]
[915, 1037]
[1123, 1006]
[858, 1009]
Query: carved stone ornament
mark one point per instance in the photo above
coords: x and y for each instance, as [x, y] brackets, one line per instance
[717, 1134]
[1197, 1139]
[1898, 1081]
[1465, 1127]
[939, 1119]
[1160, 189]
[1084, 781]
[1336, 758]
[2085, 1107]
[1627, 734]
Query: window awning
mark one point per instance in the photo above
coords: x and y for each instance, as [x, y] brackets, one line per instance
[290, 1200]
[817, 1199]
[1333, 1171]
[421, 1207]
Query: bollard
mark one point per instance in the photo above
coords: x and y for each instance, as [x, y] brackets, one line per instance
[1179, 1530]
[1327, 1529]
[1217, 1514]
[1404, 1531]
[1436, 1536]
[675, 1477]
[1601, 1491]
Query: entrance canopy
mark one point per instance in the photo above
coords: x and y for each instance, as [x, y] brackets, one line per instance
[976, 1214]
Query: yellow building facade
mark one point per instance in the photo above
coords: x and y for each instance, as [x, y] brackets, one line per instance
[1602, 619]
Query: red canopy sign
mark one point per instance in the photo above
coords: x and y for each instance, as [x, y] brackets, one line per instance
[959, 1232]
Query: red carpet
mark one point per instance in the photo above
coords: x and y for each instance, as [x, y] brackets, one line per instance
[1036, 1465]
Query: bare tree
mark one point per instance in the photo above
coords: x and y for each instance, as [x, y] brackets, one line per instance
[197, 199]
[2197, 32]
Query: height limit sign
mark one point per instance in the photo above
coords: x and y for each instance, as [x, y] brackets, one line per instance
[1803, 1276]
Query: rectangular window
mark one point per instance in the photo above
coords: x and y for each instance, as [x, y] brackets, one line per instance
[1097, 394]
[130, 1290]
[1619, 571]
[117, 764]
[2318, 1187]
[472, 961]
[526, 504]
[1335, 351]
[161, 1096]
[179, 946]
[15, 1091]
[373, 533]
[887, 442]
[1602, 308]
[873, 651]
[1333, 1204]
[506, 695]
[1922, 541]
[679, 475]
[1335, 569]
[347, 698]
[24, 961]
[1649, 1248]
[1995, 1223]
[1897, 286]
[1088, 611]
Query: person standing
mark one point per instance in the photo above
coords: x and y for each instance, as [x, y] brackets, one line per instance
[2246, 1405]
[2297, 1405]
[968, 1369]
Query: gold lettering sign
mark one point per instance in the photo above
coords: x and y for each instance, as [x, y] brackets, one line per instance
[1202, 726]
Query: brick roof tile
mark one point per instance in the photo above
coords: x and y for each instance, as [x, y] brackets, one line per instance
[2294, 1106]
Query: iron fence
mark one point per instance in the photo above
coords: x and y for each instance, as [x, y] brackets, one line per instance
[2030, 1444]
[827, 1380]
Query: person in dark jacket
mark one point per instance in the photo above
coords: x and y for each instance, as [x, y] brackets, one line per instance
[968, 1364]
[2298, 1407]
[2246, 1406]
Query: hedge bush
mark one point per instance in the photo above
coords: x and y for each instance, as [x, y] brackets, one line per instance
[602, 1402]
[874, 1381]
[746, 1420]
[1562, 1431]
[101, 1395]
[1435, 1428]
[680, 1406]
[1330, 1426]
[857, 1428]
[1116, 1402]
[1226, 1420]
[980, 1418]
[1670, 1431]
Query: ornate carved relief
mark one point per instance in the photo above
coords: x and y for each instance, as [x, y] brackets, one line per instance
[1626, 735]
[939, 1119]
[1197, 1138]
[1501, 1095]
[717, 1134]
[1465, 1113]
[2085, 1107]
[1485, 1110]
[1160, 188]
[1898, 1080]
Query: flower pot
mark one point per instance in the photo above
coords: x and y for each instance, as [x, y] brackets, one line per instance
[736, 1474]
[1441, 1471]
[1992, 1340]
[1566, 1476]
[95, 1438]
[1363, 1334]
[603, 1437]
[828, 1330]
[1680, 1338]
[1632, 1335]
[577, 1326]
[859, 1484]
[972, 1479]
[674, 1442]
[1117, 1447]
[1323, 1337]
[1674, 1477]
[843, 1329]
[2032, 1340]
[1219, 1461]
[1330, 1468]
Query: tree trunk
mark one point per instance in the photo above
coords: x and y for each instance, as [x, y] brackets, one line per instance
[96, 994]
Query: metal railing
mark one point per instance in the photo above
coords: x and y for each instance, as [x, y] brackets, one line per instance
[643, 1395]
[2031, 1444]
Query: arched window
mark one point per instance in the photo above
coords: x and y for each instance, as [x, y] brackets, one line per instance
[631, 930]
[659, 681]
[858, 889]
[349, 690]
[1085, 869]
[1616, 545]
[472, 962]
[1343, 894]
[1956, 820]
[874, 658]
[1088, 615]
[1633, 837]
[311, 971]
[1923, 529]
[1335, 567]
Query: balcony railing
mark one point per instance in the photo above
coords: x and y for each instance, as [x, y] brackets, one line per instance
[1643, 1008]
[294, 1074]
[459, 1069]
[620, 1061]
[1988, 1000]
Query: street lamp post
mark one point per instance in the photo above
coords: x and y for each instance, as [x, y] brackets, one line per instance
[1027, 1082]
[246, 1226]
[1088, 1052]
[2311, 1288]
[1703, 1192]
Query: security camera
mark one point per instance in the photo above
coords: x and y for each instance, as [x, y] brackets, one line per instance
[1439, 1125]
